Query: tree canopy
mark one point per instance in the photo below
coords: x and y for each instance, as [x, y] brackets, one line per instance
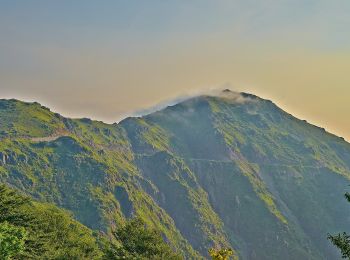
[342, 241]
[136, 241]
[12, 240]
[32, 230]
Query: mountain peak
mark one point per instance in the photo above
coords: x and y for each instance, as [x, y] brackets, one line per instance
[228, 94]
[225, 94]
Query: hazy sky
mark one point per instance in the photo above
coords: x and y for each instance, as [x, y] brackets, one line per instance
[106, 59]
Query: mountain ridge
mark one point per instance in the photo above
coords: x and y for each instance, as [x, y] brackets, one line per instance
[216, 93]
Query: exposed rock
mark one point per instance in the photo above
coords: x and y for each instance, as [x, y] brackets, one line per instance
[3, 158]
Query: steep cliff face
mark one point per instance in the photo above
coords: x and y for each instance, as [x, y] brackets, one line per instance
[228, 170]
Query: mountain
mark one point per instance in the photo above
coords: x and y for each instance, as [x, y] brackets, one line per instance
[230, 170]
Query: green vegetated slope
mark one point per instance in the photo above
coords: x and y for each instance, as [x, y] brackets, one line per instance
[232, 171]
[34, 230]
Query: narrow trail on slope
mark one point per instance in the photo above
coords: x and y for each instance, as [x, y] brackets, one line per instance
[46, 139]
[53, 137]
[232, 161]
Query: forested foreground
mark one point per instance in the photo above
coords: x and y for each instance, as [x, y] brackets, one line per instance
[32, 230]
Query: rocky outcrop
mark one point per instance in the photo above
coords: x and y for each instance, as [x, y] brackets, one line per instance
[3, 158]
